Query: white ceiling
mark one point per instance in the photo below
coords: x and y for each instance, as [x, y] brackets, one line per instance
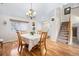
[44, 10]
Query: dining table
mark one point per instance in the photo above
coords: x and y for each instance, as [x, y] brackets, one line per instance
[31, 40]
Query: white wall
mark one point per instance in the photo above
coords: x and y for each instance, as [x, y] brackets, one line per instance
[55, 25]
[5, 29]
[75, 19]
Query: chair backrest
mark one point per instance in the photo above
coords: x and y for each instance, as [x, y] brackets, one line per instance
[19, 37]
[43, 37]
[23, 32]
[39, 32]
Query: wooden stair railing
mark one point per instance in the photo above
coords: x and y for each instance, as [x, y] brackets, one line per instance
[70, 30]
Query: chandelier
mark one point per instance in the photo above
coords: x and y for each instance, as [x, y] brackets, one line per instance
[31, 13]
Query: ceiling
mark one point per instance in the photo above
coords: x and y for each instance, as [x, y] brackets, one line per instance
[44, 10]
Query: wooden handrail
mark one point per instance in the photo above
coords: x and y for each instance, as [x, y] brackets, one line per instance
[70, 30]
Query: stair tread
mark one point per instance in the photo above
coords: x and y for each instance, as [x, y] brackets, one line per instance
[63, 41]
[62, 35]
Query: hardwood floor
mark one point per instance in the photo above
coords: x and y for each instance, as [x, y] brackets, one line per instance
[53, 49]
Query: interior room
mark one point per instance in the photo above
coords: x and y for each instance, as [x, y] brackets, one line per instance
[39, 29]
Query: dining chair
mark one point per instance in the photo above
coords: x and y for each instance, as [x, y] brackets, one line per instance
[1, 47]
[20, 42]
[42, 43]
[1, 43]
[39, 32]
[23, 32]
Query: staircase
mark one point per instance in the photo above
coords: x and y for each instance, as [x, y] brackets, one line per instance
[64, 32]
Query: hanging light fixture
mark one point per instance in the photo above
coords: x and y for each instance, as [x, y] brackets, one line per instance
[31, 13]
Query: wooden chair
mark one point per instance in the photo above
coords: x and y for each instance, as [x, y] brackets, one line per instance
[23, 32]
[1, 47]
[39, 32]
[42, 43]
[1, 43]
[20, 42]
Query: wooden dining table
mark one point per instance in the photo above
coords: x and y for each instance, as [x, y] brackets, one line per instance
[31, 40]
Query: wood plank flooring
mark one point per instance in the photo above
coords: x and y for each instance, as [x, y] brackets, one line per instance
[53, 49]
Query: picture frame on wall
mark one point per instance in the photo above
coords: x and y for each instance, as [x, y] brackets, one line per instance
[67, 10]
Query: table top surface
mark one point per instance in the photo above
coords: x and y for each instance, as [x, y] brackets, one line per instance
[31, 37]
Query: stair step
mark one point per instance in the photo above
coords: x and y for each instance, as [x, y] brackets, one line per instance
[63, 41]
[65, 28]
[62, 32]
[63, 37]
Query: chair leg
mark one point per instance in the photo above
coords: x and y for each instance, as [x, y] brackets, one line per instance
[1, 48]
[20, 48]
[46, 50]
[1, 43]
[40, 51]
